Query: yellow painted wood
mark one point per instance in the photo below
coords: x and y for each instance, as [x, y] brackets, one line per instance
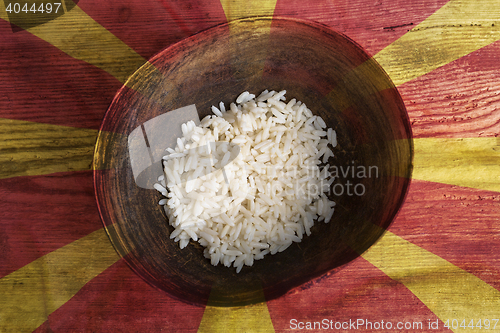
[455, 30]
[30, 294]
[237, 9]
[251, 318]
[3, 13]
[469, 162]
[29, 148]
[448, 291]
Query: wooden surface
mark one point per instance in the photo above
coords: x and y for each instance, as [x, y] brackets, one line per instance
[440, 260]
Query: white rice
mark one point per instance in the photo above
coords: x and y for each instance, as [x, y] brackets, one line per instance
[265, 198]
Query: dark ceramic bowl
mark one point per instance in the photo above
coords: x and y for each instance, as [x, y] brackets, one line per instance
[326, 70]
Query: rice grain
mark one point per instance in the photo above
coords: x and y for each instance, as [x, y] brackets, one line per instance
[264, 199]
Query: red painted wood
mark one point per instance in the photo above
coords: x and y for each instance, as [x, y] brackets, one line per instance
[43, 213]
[458, 100]
[357, 290]
[119, 301]
[148, 27]
[373, 25]
[43, 84]
[458, 224]
[463, 230]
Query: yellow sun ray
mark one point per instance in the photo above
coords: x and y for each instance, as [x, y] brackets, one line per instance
[78, 35]
[3, 13]
[455, 30]
[30, 294]
[237, 9]
[32, 149]
[458, 28]
[448, 291]
[29, 148]
[469, 162]
[254, 317]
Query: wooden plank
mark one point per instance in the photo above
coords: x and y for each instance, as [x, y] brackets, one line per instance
[449, 221]
[458, 100]
[40, 214]
[447, 290]
[40, 83]
[468, 162]
[458, 28]
[78, 35]
[28, 148]
[148, 27]
[373, 25]
[34, 291]
[356, 291]
[236, 319]
[455, 223]
[118, 300]
[238, 9]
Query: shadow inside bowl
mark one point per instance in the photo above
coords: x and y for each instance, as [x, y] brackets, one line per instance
[324, 69]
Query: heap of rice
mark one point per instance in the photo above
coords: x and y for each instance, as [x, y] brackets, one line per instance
[263, 200]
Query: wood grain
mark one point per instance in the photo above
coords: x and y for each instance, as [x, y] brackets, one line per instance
[374, 25]
[118, 300]
[149, 27]
[468, 162]
[43, 84]
[458, 100]
[78, 35]
[40, 214]
[34, 291]
[455, 223]
[28, 148]
[236, 319]
[357, 291]
[235, 10]
[458, 224]
[445, 289]
[455, 30]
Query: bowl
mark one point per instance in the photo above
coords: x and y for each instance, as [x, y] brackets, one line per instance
[323, 68]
